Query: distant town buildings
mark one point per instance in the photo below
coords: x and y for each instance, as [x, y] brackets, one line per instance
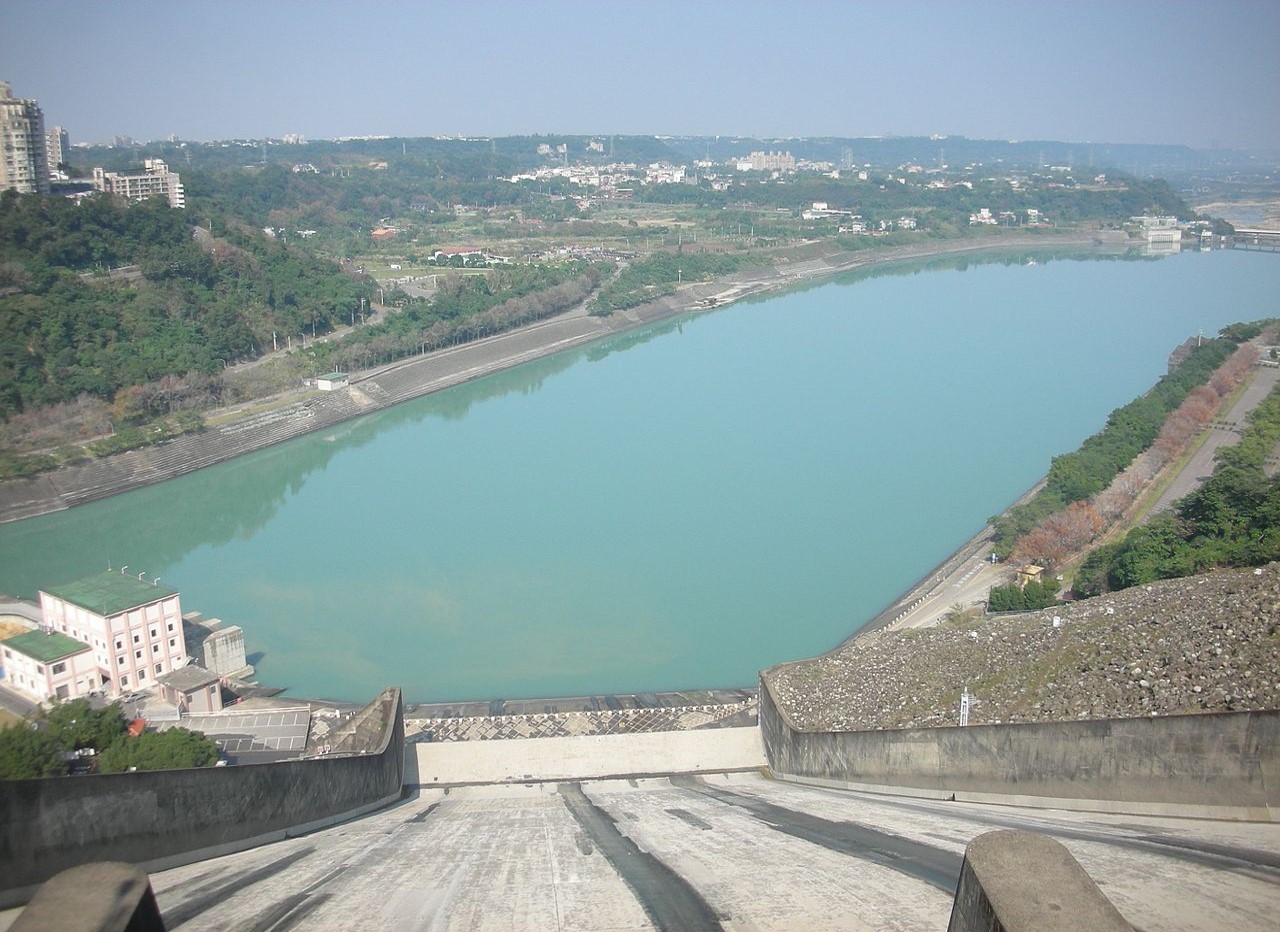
[154, 179]
[24, 162]
[772, 161]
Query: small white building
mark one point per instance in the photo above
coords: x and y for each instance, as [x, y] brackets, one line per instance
[44, 665]
[331, 381]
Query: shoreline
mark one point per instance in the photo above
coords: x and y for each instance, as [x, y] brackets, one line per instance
[24, 498]
[417, 376]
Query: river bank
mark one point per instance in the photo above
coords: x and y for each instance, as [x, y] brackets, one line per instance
[412, 378]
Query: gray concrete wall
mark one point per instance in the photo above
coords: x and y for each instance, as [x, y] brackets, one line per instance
[1225, 765]
[1023, 882]
[161, 819]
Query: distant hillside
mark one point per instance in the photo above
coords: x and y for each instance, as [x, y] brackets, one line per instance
[1206, 643]
[102, 295]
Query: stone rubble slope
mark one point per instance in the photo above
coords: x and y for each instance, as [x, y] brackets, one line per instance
[1207, 643]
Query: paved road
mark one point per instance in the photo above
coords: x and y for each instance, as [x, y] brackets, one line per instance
[1224, 432]
[727, 851]
[968, 580]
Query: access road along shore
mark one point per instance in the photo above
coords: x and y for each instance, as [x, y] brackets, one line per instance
[421, 375]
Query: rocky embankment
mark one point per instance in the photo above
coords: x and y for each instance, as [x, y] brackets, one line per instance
[1207, 643]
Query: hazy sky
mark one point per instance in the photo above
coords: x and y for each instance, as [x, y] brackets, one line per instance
[1172, 71]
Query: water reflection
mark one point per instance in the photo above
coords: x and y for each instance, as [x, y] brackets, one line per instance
[157, 526]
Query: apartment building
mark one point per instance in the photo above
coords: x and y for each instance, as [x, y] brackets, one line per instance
[155, 178]
[57, 146]
[24, 164]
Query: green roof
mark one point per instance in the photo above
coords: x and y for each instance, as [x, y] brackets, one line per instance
[111, 592]
[43, 647]
[332, 376]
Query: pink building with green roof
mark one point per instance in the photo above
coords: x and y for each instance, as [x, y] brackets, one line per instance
[133, 628]
[45, 664]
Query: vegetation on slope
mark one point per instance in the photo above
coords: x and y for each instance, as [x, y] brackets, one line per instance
[1231, 520]
[1129, 430]
[183, 304]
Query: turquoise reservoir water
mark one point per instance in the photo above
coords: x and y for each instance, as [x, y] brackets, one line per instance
[677, 508]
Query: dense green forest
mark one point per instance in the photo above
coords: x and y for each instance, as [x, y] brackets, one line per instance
[1231, 520]
[1129, 430]
[184, 301]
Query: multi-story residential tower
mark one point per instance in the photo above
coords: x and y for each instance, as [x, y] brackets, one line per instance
[57, 146]
[24, 165]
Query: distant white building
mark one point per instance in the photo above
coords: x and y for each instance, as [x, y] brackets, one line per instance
[332, 381]
[57, 146]
[1158, 230]
[772, 161]
[664, 173]
[154, 179]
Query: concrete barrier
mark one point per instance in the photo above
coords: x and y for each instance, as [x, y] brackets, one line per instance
[103, 897]
[162, 819]
[526, 760]
[1221, 765]
[1023, 882]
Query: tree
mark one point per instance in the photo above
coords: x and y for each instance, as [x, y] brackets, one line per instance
[75, 725]
[174, 749]
[27, 753]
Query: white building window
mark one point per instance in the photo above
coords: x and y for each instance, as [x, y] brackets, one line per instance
[159, 669]
[58, 668]
[124, 680]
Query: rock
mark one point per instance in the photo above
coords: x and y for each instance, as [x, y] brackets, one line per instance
[1187, 636]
